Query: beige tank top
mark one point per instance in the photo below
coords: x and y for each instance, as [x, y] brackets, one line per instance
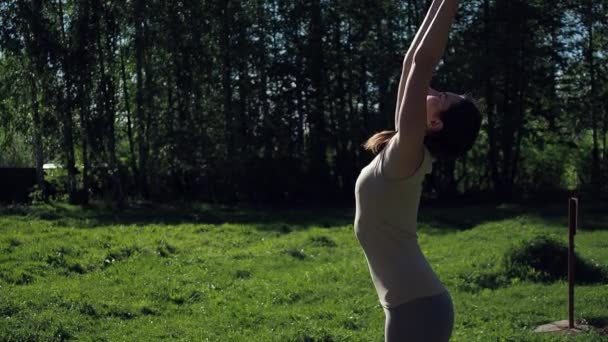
[385, 225]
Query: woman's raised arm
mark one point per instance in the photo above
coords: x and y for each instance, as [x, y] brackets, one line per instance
[406, 153]
[432, 46]
[409, 56]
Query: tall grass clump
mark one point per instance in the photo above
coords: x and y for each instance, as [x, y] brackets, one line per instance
[545, 259]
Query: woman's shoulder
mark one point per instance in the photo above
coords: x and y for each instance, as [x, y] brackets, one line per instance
[423, 167]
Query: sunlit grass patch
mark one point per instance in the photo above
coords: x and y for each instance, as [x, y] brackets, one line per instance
[264, 275]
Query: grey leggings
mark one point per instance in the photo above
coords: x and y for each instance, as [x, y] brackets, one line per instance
[427, 319]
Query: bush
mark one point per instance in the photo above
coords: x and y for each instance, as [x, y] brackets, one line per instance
[56, 181]
[544, 169]
[541, 259]
[545, 259]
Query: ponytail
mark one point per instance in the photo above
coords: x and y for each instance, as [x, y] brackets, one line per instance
[377, 142]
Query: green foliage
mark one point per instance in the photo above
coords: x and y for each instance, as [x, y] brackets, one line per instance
[270, 101]
[548, 166]
[36, 195]
[16, 150]
[56, 180]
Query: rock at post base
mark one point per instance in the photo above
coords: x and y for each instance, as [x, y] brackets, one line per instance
[561, 327]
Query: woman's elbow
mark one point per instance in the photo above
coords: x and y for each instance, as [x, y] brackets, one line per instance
[422, 60]
[422, 65]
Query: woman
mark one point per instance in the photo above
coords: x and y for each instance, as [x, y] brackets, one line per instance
[429, 125]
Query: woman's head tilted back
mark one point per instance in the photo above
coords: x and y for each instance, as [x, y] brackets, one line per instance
[452, 131]
[453, 123]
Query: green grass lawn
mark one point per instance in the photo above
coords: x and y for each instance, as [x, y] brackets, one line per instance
[201, 273]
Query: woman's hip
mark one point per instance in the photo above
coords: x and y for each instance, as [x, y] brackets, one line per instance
[422, 319]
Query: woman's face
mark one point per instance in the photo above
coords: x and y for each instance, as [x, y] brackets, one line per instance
[436, 103]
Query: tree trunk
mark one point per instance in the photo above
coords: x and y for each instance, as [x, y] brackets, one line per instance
[37, 56]
[319, 168]
[38, 150]
[344, 167]
[520, 82]
[595, 166]
[109, 105]
[604, 151]
[65, 106]
[489, 97]
[226, 79]
[142, 142]
[301, 109]
[152, 139]
[82, 93]
[242, 122]
[126, 97]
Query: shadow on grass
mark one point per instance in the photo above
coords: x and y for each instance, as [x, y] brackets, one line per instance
[599, 323]
[434, 219]
[265, 218]
[591, 216]
[443, 219]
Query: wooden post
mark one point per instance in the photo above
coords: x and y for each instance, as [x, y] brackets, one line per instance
[572, 225]
[568, 326]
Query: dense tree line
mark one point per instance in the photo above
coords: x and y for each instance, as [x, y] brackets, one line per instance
[262, 100]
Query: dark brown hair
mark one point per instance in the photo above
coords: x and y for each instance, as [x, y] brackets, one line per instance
[461, 124]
